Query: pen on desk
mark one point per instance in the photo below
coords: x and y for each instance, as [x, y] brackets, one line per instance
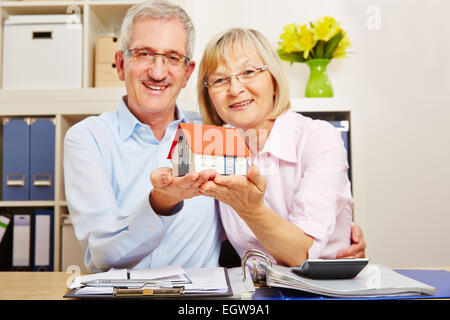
[121, 283]
[138, 283]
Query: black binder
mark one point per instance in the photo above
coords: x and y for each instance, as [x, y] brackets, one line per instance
[6, 246]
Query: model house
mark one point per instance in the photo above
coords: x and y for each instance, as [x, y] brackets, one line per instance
[197, 147]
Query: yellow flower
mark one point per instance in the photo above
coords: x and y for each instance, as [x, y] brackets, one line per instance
[323, 40]
[342, 47]
[325, 28]
[306, 40]
[289, 39]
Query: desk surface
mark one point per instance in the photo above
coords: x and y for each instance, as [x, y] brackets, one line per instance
[52, 285]
[22, 285]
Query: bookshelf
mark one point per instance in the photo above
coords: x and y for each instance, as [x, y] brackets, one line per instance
[68, 106]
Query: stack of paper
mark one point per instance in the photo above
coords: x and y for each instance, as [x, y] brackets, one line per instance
[373, 281]
[208, 281]
[241, 289]
[125, 278]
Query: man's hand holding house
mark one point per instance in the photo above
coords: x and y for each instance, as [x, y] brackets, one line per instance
[168, 190]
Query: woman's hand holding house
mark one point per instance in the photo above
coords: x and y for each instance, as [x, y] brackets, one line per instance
[245, 194]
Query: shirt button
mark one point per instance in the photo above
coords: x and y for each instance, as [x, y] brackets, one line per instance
[151, 228]
[159, 254]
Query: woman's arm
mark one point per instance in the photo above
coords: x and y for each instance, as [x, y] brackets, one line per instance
[357, 247]
[286, 242]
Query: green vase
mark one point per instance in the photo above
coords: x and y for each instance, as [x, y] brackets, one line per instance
[319, 84]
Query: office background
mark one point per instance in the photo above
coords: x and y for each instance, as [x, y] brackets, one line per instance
[396, 81]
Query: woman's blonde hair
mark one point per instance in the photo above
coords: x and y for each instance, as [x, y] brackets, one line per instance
[221, 48]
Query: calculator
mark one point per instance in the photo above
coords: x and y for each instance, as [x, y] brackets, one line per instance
[331, 268]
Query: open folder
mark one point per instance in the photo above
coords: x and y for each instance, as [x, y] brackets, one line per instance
[169, 281]
[373, 281]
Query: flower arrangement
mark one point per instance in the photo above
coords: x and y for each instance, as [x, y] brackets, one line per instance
[323, 39]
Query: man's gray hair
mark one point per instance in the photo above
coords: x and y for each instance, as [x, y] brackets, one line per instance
[158, 9]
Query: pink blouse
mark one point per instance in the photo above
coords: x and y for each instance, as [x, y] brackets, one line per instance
[305, 163]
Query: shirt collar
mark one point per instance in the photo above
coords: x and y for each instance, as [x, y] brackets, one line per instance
[282, 141]
[128, 122]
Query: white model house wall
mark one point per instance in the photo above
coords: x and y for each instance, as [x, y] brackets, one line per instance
[202, 162]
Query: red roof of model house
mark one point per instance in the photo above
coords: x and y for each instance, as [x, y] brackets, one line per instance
[211, 140]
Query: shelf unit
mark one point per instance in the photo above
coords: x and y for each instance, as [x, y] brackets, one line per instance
[70, 106]
[99, 17]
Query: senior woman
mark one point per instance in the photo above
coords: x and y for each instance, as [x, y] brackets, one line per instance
[295, 202]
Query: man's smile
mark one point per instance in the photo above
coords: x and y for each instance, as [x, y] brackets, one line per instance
[155, 87]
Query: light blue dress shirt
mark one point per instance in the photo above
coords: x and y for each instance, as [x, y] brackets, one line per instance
[107, 164]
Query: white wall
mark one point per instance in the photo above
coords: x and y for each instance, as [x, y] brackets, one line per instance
[400, 76]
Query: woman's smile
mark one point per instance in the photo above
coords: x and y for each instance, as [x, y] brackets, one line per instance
[241, 105]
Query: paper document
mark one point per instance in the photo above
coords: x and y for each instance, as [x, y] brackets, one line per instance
[241, 289]
[141, 276]
[206, 280]
[193, 281]
[156, 273]
[372, 281]
[116, 274]
[96, 290]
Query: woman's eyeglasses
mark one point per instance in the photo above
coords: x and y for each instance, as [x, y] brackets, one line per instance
[219, 82]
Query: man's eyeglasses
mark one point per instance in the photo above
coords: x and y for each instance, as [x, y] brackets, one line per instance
[219, 82]
[146, 55]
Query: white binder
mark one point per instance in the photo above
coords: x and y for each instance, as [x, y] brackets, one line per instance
[21, 240]
[43, 236]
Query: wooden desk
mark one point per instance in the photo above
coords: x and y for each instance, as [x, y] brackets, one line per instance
[52, 285]
[23, 285]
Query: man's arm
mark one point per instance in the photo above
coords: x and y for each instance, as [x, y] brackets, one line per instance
[111, 235]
